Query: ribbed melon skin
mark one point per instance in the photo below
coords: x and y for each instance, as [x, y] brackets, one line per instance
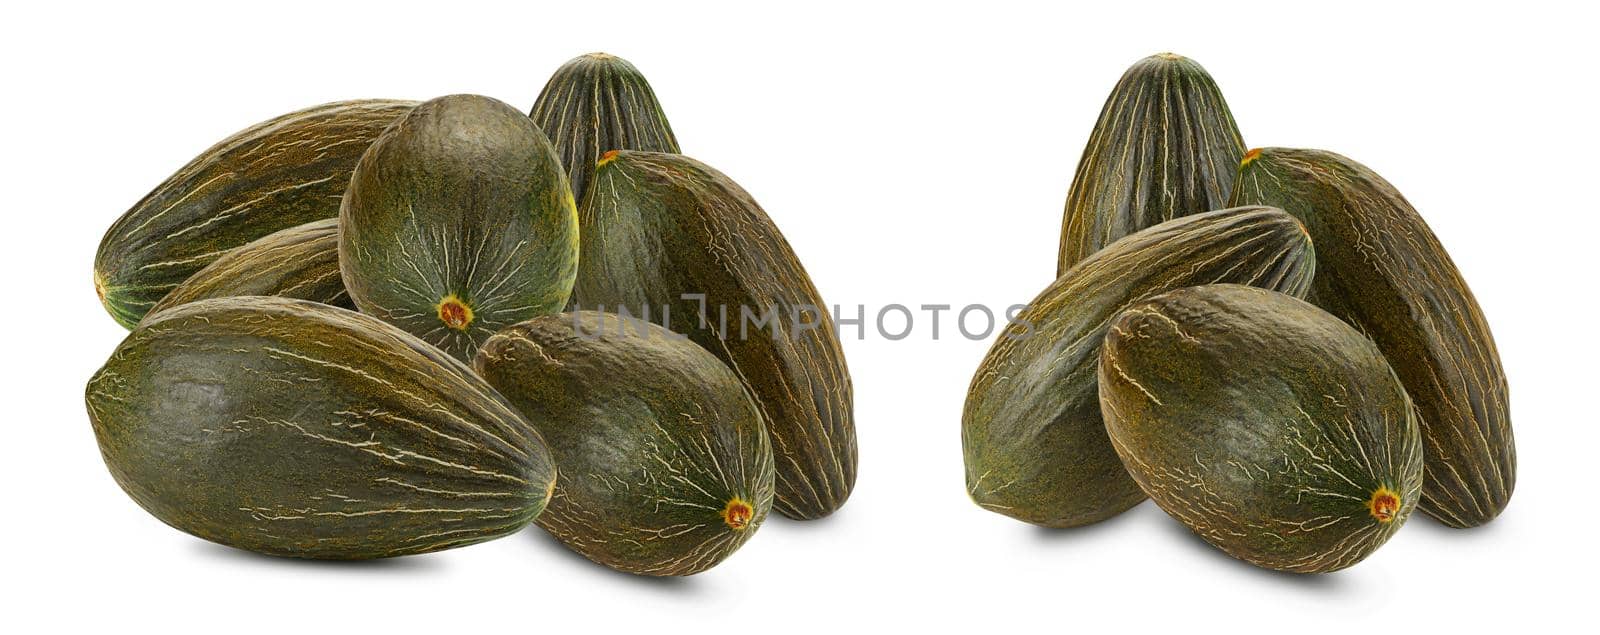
[293, 428]
[666, 466]
[596, 103]
[1380, 268]
[274, 175]
[1272, 429]
[661, 227]
[1034, 444]
[461, 203]
[1165, 146]
[298, 262]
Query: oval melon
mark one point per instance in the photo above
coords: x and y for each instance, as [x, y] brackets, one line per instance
[293, 428]
[1272, 429]
[1034, 444]
[666, 467]
[1380, 268]
[667, 234]
[299, 262]
[274, 175]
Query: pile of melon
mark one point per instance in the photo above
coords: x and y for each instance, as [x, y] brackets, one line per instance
[376, 328]
[1272, 345]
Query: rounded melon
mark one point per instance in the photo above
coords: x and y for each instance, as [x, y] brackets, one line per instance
[458, 222]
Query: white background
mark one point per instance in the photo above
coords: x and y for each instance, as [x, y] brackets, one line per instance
[911, 154]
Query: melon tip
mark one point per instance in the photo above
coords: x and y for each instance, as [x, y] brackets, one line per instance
[599, 55]
[737, 514]
[607, 157]
[1250, 156]
[1384, 505]
[1169, 55]
[454, 313]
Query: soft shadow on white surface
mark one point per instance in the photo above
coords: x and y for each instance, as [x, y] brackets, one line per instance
[775, 519]
[676, 586]
[1115, 524]
[240, 557]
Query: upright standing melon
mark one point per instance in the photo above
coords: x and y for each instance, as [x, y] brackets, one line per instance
[293, 428]
[1273, 430]
[298, 262]
[458, 222]
[1165, 146]
[1380, 268]
[667, 234]
[596, 103]
[1034, 444]
[274, 175]
[665, 464]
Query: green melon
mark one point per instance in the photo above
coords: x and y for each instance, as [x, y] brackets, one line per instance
[458, 222]
[293, 428]
[1272, 429]
[274, 175]
[298, 262]
[666, 467]
[1165, 146]
[1034, 443]
[1380, 268]
[596, 103]
[667, 234]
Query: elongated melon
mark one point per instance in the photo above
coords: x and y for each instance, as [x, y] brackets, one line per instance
[596, 103]
[1380, 268]
[298, 262]
[274, 175]
[1034, 443]
[293, 428]
[457, 223]
[666, 467]
[1165, 146]
[667, 234]
[1272, 429]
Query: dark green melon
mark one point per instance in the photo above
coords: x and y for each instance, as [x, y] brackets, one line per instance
[1380, 268]
[274, 175]
[1035, 447]
[665, 464]
[1272, 429]
[458, 222]
[298, 262]
[670, 235]
[293, 428]
[1165, 146]
[596, 103]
